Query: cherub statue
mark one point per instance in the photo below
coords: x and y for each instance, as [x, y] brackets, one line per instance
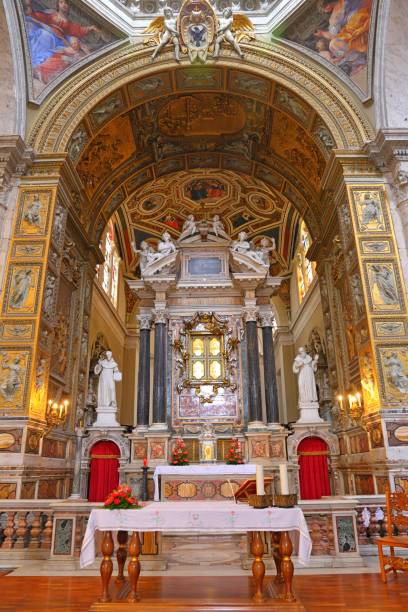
[218, 228]
[231, 28]
[189, 228]
[167, 27]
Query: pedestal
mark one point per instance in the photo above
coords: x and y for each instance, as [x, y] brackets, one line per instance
[309, 413]
[106, 417]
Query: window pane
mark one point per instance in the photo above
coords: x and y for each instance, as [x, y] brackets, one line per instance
[198, 370]
[215, 369]
[198, 347]
[215, 346]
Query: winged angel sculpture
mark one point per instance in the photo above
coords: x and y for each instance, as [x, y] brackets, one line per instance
[197, 30]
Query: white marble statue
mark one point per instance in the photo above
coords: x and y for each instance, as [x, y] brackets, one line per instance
[218, 228]
[108, 372]
[241, 245]
[189, 228]
[169, 34]
[262, 252]
[305, 366]
[165, 246]
[224, 32]
[146, 253]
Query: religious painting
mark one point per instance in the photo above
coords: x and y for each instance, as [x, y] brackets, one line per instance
[33, 214]
[60, 34]
[22, 288]
[203, 77]
[140, 451]
[390, 328]
[292, 143]
[394, 367]
[246, 83]
[384, 284]
[338, 32]
[150, 87]
[259, 448]
[397, 433]
[370, 211]
[113, 145]
[14, 372]
[205, 190]
[23, 250]
[346, 535]
[289, 102]
[63, 537]
[323, 136]
[106, 110]
[16, 330]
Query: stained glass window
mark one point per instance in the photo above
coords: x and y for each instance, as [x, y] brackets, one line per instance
[305, 268]
[109, 272]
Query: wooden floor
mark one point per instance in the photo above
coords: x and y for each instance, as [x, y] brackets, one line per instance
[334, 593]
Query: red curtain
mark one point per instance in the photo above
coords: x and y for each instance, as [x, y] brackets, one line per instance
[314, 470]
[104, 472]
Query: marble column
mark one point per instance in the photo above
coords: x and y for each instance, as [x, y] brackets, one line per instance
[271, 391]
[76, 483]
[143, 381]
[159, 374]
[253, 371]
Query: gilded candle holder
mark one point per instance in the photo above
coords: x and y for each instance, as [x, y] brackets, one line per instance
[284, 501]
[258, 501]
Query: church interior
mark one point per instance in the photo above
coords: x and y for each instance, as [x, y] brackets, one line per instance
[203, 292]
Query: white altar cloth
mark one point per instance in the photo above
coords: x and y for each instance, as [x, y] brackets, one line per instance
[201, 470]
[197, 517]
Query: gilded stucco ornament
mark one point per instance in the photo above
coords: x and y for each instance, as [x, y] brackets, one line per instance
[197, 31]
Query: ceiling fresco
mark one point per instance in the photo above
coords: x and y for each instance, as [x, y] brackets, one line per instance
[243, 203]
[200, 118]
[338, 32]
[59, 35]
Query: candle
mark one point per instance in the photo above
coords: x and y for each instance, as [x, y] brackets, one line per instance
[260, 486]
[145, 462]
[284, 482]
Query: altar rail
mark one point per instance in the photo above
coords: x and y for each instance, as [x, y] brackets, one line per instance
[47, 529]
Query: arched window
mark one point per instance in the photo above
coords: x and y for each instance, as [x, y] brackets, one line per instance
[109, 272]
[305, 268]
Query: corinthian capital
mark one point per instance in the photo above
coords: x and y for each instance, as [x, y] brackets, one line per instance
[160, 316]
[250, 314]
[144, 321]
[266, 319]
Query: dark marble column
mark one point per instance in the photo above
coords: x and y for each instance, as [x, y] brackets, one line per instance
[159, 374]
[143, 384]
[254, 375]
[271, 391]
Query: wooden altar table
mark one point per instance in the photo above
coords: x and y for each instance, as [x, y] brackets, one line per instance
[245, 470]
[196, 517]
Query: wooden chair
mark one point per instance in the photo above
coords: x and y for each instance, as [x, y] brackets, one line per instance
[397, 522]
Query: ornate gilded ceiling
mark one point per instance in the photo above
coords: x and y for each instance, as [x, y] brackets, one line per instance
[219, 119]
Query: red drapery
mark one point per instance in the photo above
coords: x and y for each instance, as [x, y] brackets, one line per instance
[104, 472]
[314, 471]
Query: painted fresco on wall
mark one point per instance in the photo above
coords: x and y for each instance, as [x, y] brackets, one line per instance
[394, 365]
[338, 31]
[205, 190]
[14, 367]
[60, 34]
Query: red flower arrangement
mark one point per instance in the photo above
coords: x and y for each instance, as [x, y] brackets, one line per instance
[180, 453]
[121, 499]
[234, 455]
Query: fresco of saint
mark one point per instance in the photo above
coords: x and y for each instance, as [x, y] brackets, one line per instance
[59, 35]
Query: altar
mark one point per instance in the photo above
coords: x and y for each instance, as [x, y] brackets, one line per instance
[198, 482]
[197, 517]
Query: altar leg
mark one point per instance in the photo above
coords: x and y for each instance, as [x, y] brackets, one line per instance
[258, 566]
[275, 541]
[134, 566]
[121, 555]
[286, 549]
[106, 566]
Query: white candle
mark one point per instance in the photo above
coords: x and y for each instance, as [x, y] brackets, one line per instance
[284, 482]
[260, 486]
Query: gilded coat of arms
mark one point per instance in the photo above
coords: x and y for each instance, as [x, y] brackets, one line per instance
[198, 31]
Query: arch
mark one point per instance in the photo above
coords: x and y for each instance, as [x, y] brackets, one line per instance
[314, 480]
[104, 469]
[337, 106]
